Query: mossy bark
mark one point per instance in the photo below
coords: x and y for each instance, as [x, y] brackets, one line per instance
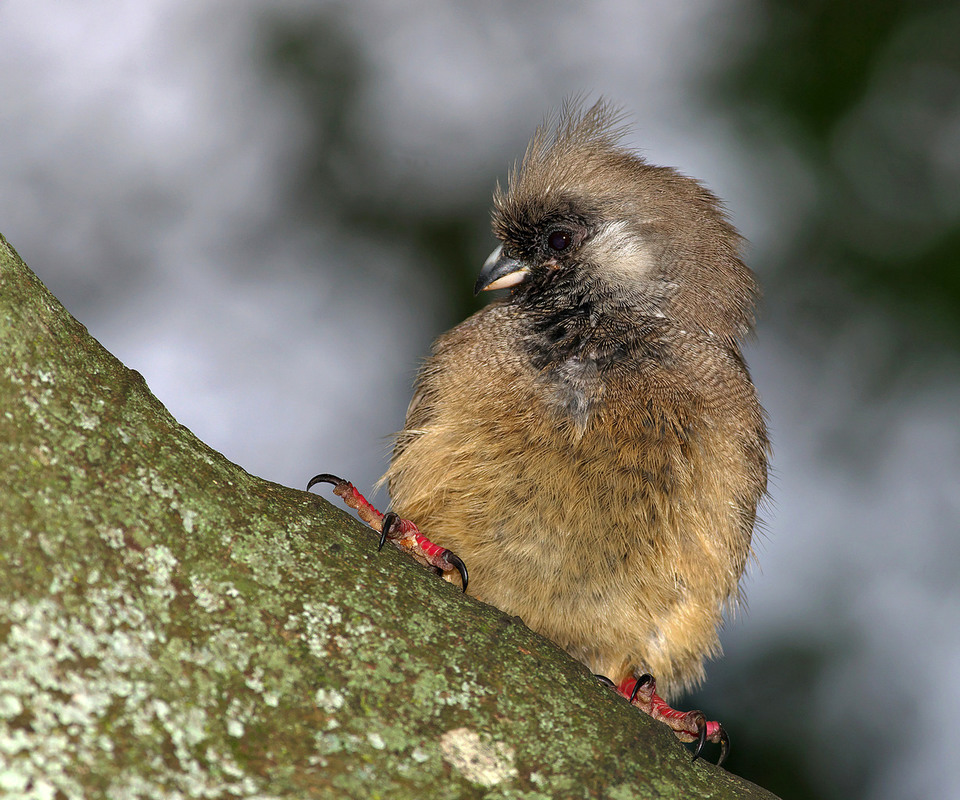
[171, 626]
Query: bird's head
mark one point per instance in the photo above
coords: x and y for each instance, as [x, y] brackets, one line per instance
[584, 217]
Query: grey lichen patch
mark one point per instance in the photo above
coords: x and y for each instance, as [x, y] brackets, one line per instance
[151, 483]
[330, 700]
[86, 419]
[211, 596]
[76, 689]
[479, 759]
[435, 690]
[317, 623]
[57, 717]
[159, 563]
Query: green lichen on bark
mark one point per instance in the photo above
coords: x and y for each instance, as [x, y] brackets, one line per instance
[171, 626]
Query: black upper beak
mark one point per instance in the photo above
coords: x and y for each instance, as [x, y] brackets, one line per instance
[500, 271]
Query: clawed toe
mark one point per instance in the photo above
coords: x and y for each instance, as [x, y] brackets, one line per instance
[451, 558]
[401, 532]
[645, 687]
[724, 746]
[689, 726]
[390, 520]
[710, 732]
[324, 477]
[701, 722]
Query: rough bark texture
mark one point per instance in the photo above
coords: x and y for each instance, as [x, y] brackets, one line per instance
[171, 626]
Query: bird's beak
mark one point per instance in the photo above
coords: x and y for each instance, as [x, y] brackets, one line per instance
[500, 271]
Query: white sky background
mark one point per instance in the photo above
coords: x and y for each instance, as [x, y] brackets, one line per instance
[142, 155]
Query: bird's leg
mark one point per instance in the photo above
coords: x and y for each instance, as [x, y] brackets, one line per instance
[402, 532]
[689, 726]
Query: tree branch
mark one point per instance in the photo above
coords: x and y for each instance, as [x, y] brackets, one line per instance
[173, 626]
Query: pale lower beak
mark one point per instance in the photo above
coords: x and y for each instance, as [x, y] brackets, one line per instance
[500, 272]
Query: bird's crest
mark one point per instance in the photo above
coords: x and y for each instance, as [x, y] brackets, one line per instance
[564, 148]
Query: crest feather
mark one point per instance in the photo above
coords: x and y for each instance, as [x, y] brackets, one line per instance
[566, 148]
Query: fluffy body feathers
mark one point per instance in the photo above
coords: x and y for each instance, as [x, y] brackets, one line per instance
[592, 445]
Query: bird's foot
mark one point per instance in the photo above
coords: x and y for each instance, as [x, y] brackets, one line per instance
[402, 532]
[689, 726]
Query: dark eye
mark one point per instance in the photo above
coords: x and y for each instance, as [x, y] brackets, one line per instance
[559, 241]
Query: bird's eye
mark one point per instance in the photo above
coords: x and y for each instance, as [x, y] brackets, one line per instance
[559, 241]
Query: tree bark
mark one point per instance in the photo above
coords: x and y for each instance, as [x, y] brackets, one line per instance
[171, 626]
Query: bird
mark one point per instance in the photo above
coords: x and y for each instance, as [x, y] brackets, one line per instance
[591, 444]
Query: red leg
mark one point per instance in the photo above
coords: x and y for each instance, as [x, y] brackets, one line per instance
[402, 532]
[689, 726]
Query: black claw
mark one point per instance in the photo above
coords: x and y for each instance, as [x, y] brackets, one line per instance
[324, 477]
[642, 681]
[388, 521]
[452, 558]
[702, 740]
[605, 681]
[724, 747]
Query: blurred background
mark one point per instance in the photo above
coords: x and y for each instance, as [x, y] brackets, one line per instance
[271, 208]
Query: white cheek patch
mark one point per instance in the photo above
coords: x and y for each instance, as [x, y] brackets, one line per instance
[622, 255]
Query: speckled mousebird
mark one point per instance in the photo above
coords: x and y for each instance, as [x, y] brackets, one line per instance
[591, 446]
